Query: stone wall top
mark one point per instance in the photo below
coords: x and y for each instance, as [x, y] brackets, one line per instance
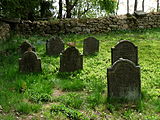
[90, 25]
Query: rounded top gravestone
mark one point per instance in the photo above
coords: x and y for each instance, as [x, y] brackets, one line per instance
[29, 57]
[90, 46]
[30, 62]
[125, 49]
[54, 46]
[124, 80]
[71, 60]
[24, 47]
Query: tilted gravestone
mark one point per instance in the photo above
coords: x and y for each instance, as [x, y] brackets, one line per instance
[24, 47]
[90, 46]
[71, 60]
[30, 62]
[125, 49]
[124, 80]
[54, 46]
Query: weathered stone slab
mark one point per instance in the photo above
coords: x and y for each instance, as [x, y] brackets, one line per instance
[54, 46]
[30, 62]
[90, 46]
[24, 47]
[124, 49]
[140, 13]
[71, 60]
[124, 80]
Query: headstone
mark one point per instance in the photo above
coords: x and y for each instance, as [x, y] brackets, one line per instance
[90, 46]
[71, 60]
[124, 80]
[54, 46]
[30, 62]
[125, 49]
[24, 47]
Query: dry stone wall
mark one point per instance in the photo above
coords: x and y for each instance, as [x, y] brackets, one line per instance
[90, 25]
[4, 32]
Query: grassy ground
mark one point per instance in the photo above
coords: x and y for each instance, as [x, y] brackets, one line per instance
[82, 94]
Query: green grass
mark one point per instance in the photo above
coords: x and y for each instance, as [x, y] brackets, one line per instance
[81, 93]
[26, 108]
[72, 100]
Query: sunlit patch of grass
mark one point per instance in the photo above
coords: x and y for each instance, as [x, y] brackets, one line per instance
[69, 113]
[72, 100]
[27, 108]
[40, 91]
[95, 99]
[71, 85]
[7, 117]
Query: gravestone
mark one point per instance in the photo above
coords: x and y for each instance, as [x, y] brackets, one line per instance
[54, 46]
[30, 62]
[24, 47]
[90, 46]
[124, 49]
[71, 60]
[124, 80]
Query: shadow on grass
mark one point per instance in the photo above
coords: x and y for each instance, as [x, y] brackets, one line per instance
[65, 75]
[91, 55]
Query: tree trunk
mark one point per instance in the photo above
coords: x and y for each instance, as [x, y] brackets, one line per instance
[143, 5]
[157, 5]
[79, 9]
[31, 15]
[60, 9]
[135, 5]
[68, 13]
[69, 7]
[127, 6]
[42, 9]
[117, 6]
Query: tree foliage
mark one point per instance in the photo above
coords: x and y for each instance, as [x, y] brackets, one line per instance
[31, 9]
[86, 8]
[108, 5]
[70, 4]
[25, 9]
[93, 8]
